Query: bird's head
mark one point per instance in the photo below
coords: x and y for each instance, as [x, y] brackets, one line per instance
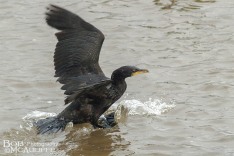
[127, 71]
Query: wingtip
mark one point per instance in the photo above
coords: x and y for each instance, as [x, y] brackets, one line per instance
[49, 10]
[51, 6]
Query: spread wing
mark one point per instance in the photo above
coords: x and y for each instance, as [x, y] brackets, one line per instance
[77, 51]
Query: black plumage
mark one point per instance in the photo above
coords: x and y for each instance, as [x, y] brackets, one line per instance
[89, 92]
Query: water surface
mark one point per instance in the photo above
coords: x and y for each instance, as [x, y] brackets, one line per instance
[184, 106]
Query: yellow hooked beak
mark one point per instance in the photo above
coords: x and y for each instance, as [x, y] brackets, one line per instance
[141, 71]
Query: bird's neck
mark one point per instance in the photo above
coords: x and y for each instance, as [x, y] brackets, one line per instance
[117, 76]
[116, 79]
[119, 84]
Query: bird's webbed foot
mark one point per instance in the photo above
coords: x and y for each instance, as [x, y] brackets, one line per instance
[110, 118]
[106, 121]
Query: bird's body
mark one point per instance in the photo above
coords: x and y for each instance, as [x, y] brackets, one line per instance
[90, 106]
[89, 92]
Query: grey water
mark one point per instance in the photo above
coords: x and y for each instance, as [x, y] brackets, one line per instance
[183, 107]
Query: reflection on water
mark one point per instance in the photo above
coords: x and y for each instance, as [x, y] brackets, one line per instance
[82, 139]
[182, 5]
[205, 1]
[79, 140]
[165, 6]
[93, 142]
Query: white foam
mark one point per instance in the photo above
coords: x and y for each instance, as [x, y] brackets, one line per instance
[124, 108]
[34, 116]
[38, 115]
[150, 107]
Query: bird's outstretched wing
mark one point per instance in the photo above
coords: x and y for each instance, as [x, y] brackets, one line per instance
[77, 51]
[79, 44]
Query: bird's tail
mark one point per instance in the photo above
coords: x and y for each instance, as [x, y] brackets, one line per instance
[50, 125]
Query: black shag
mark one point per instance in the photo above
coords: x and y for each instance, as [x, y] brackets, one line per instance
[89, 92]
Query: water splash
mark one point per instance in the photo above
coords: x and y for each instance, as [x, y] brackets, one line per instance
[32, 117]
[122, 110]
[150, 107]
[38, 115]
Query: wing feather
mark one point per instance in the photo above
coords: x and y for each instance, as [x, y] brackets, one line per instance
[77, 52]
[79, 44]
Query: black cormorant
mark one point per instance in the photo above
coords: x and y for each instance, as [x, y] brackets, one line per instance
[89, 92]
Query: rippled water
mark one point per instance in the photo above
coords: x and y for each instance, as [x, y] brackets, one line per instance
[184, 106]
